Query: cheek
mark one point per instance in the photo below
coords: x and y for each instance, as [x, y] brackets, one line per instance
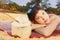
[46, 17]
[40, 20]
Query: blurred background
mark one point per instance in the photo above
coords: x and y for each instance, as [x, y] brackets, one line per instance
[21, 6]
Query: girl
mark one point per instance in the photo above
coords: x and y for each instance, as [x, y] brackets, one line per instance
[42, 22]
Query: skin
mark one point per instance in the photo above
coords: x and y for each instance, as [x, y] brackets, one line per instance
[49, 20]
[42, 17]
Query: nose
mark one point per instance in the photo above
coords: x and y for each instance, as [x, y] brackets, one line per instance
[44, 20]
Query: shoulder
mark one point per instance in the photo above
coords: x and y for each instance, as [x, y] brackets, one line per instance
[52, 15]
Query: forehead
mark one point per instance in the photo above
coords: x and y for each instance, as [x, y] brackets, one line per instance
[41, 12]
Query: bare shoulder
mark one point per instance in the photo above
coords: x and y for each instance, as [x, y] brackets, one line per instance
[53, 15]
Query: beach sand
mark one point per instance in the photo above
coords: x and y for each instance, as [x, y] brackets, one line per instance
[4, 35]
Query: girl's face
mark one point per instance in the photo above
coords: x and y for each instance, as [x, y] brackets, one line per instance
[42, 17]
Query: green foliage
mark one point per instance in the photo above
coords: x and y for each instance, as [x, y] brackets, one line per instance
[53, 10]
[58, 4]
[45, 3]
[28, 5]
[15, 7]
[35, 1]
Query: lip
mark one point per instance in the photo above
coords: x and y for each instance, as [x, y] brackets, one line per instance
[46, 22]
[43, 20]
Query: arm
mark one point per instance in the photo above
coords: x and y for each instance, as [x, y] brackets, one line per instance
[34, 26]
[47, 31]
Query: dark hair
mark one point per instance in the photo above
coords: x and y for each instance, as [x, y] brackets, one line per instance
[33, 12]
